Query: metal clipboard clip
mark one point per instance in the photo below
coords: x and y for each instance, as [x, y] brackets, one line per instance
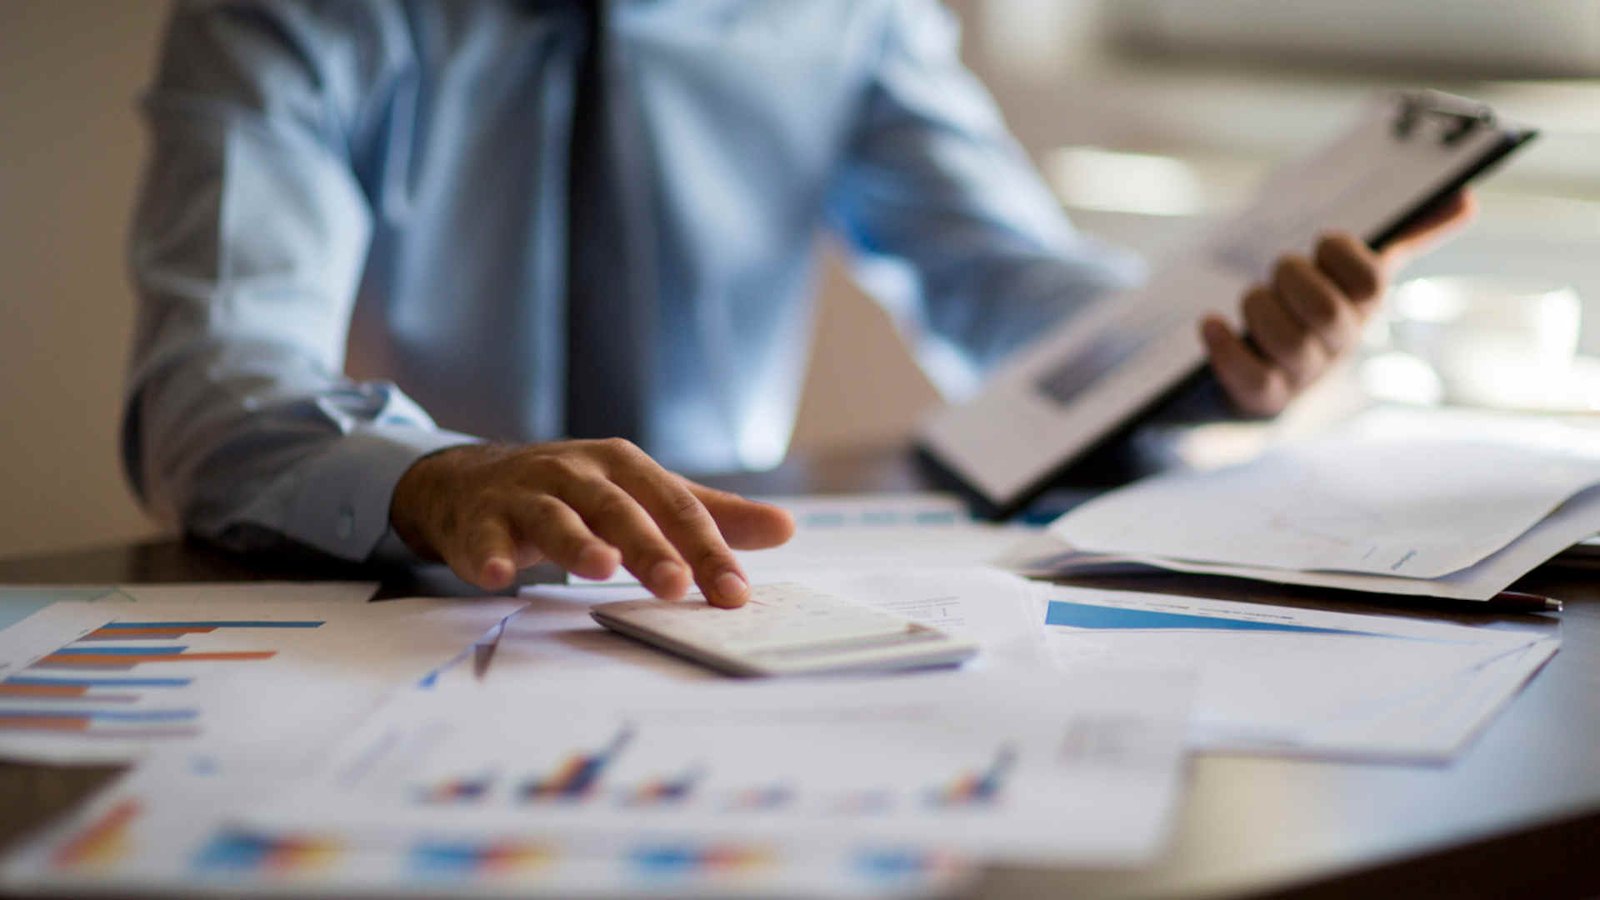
[1462, 117]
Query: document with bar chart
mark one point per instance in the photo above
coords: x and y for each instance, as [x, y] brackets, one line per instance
[106, 682]
[1007, 767]
[1304, 682]
[165, 830]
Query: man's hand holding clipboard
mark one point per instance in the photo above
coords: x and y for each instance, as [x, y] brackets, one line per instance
[1310, 312]
[1279, 291]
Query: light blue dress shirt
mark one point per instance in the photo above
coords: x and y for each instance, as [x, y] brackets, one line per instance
[398, 169]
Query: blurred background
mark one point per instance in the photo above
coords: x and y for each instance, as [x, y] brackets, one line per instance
[1146, 116]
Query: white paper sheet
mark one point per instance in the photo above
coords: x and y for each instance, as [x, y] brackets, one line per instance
[1285, 681]
[1575, 519]
[993, 607]
[1084, 770]
[1411, 508]
[226, 676]
[166, 830]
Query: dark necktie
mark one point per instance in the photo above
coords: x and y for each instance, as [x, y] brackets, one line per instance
[610, 280]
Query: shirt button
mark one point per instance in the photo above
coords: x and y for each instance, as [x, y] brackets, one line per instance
[347, 523]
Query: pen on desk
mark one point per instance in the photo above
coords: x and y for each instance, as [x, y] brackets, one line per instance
[483, 651]
[1518, 601]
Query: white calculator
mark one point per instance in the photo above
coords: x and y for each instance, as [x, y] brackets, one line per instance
[785, 629]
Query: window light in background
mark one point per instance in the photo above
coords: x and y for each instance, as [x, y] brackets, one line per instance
[1116, 181]
[1480, 341]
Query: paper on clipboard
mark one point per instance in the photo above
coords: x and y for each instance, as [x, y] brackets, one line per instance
[1093, 375]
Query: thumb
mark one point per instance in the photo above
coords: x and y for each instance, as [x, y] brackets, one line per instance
[1438, 224]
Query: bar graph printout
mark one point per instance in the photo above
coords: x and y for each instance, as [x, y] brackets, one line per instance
[166, 830]
[1285, 681]
[974, 763]
[110, 681]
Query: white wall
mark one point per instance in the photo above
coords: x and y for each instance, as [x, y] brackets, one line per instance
[69, 152]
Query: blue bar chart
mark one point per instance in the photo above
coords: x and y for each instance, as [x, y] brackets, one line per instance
[80, 688]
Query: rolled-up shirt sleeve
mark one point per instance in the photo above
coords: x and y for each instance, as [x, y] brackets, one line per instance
[247, 250]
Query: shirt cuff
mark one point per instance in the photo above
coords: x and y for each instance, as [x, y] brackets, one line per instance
[341, 506]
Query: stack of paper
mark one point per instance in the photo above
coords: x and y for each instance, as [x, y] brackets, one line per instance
[1284, 681]
[552, 758]
[1444, 517]
[515, 747]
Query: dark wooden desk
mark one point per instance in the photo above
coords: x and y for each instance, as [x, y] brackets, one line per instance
[1517, 815]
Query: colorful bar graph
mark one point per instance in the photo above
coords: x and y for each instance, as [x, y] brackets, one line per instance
[689, 860]
[106, 715]
[664, 791]
[774, 796]
[437, 859]
[92, 682]
[87, 690]
[458, 790]
[865, 802]
[102, 842]
[576, 778]
[121, 631]
[123, 722]
[60, 694]
[119, 651]
[125, 658]
[900, 865]
[1088, 615]
[49, 700]
[978, 788]
[247, 853]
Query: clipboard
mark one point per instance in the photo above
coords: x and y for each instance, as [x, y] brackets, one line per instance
[1096, 377]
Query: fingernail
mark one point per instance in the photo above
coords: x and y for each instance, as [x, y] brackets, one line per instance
[663, 573]
[731, 587]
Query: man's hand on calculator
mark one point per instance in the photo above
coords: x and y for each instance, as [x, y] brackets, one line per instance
[490, 509]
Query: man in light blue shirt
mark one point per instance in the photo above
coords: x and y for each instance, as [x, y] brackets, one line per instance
[570, 219]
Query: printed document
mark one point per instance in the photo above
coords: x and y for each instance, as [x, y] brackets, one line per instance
[166, 830]
[1395, 508]
[216, 676]
[1082, 770]
[1285, 681]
